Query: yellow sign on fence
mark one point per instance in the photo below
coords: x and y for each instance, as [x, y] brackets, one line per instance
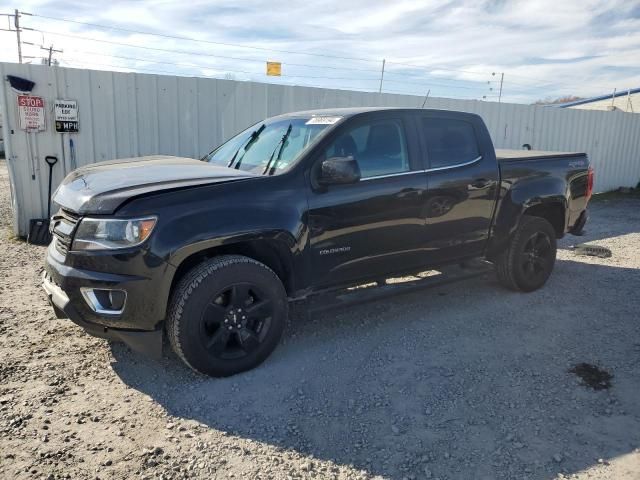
[274, 69]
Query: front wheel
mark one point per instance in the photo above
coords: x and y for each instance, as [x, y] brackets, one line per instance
[227, 315]
[528, 261]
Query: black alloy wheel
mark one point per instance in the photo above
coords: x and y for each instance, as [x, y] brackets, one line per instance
[227, 315]
[236, 321]
[527, 262]
[537, 257]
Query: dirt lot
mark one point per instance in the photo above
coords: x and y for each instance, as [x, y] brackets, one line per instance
[457, 382]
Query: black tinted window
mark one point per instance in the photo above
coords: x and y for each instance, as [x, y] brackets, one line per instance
[379, 147]
[449, 142]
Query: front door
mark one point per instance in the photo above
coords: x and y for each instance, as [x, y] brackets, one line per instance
[374, 226]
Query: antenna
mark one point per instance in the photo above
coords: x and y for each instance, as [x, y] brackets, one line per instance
[425, 98]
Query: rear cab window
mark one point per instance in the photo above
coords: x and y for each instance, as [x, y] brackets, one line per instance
[449, 142]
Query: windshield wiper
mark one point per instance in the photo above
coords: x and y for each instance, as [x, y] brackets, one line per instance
[280, 144]
[254, 136]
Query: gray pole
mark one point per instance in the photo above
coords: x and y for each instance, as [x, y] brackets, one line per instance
[613, 97]
[381, 76]
[50, 50]
[501, 81]
[16, 22]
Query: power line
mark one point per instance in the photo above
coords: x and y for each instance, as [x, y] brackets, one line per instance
[210, 66]
[225, 70]
[436, 67]
[252, 47]
[181, 74]
[191, 39]
[422, 94]
[183, 52]
[428, 83]
[187, 52]
[425, 83]
[179, 37]
[548, 82]
[161, 72]
[507, 73]
[226, 57]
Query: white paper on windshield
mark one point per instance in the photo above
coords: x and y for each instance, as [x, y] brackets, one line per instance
[323, 120]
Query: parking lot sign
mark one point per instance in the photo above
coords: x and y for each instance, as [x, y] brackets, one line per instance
[66, 116]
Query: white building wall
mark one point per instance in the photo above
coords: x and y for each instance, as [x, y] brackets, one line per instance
[129, 114]
[624, 103]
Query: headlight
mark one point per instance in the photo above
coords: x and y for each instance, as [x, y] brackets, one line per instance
[112, 233]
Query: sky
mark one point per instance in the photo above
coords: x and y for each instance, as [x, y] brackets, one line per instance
[456, 49]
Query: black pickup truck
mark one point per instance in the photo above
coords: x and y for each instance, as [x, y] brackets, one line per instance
[212, 251]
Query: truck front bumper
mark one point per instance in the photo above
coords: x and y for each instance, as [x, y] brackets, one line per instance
[146, 342]
[138, 324]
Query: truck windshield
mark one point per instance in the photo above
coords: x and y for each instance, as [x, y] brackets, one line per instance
[270, 147]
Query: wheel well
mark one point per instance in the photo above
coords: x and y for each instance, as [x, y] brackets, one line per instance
[270, 253]
[552, 213]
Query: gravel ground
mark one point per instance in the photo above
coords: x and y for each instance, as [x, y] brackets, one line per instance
[460, 381]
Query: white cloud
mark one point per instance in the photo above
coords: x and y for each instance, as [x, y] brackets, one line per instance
[546, 48]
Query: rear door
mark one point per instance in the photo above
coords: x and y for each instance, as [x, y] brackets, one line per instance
[462, 177]
[376, 225]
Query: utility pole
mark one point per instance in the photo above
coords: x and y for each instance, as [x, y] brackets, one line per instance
[50, 50]
[16, 28]
[501, 81]
[381, 76]
[16, 23]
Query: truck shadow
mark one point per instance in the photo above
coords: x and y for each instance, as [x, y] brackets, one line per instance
[624, 214]
[460, 381]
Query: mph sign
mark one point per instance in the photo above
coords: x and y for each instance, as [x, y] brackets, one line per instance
[31, 112]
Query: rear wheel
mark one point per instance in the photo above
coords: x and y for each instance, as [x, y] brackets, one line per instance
[227, 315]
[528, 261]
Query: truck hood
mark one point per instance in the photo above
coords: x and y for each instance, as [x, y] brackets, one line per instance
[102, 187]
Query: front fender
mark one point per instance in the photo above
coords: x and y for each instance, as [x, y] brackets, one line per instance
[283, 242]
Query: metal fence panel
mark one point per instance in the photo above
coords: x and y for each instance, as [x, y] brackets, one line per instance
[131, 114]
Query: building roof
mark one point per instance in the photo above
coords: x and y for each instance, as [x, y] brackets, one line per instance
[621, 93]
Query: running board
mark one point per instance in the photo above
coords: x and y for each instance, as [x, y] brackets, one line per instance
[394, 286]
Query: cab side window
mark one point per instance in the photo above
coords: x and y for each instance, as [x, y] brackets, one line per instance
[379, 147]
[449, 142]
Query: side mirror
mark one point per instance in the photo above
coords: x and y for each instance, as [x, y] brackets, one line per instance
[339, 171]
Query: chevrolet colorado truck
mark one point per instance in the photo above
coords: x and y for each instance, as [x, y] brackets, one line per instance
[213, 251]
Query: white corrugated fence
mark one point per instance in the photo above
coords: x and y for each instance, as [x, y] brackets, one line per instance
[131, 114]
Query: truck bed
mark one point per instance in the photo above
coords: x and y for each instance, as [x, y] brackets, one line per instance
[506, 154]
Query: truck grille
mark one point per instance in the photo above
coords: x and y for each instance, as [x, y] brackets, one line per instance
[63, 224]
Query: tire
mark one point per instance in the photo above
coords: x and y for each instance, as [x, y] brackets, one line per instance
[227, 315]
[528, 261]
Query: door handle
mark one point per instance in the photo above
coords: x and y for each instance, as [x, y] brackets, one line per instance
[480, 183]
